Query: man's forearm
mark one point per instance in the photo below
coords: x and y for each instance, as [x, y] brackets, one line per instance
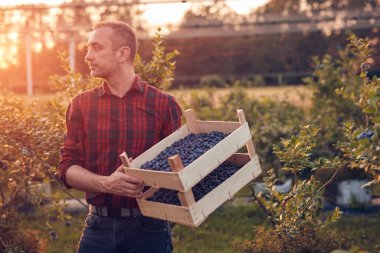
[84, 180]
[118, 183]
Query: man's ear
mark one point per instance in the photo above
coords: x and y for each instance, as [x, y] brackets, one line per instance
[124, 54]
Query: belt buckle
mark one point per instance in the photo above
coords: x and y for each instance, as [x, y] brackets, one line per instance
[126, 212]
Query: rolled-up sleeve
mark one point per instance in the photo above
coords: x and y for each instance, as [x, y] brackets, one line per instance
[173, 118]
[72, 152]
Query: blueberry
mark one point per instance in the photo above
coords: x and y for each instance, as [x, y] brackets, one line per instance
[53, 235]
[365, 134]
[362, 135]
[67, 223]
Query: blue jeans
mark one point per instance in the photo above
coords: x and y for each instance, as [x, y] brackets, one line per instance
[137, 234]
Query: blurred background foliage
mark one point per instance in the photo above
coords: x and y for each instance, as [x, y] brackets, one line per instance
[335, 137]
[279, 57]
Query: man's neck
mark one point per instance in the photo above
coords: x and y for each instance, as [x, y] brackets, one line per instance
[119, 84]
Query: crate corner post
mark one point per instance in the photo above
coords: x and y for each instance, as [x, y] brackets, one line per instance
[186, 198]
[249, 145]
[124, 158]
[191, 121]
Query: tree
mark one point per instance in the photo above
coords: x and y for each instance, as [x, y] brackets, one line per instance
[297, 6]
[215, 13]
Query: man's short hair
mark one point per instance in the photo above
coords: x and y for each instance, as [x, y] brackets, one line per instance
[123, 35]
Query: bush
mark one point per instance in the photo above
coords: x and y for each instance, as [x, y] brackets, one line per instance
[362, 143]
[330, 109]
[296, 224]
[212, 81]
[159, 71]
[258, 80]
[15, 239]
[308, 240]
[29, 139]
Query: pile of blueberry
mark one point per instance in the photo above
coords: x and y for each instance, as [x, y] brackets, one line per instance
[189, 149]
[206, 185]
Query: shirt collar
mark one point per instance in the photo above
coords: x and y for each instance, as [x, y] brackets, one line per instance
[136, 85]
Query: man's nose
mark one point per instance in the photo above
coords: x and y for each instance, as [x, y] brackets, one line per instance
[89, 56]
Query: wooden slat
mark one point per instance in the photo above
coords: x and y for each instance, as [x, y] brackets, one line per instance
[151, 153]
[257, 168]
[191, 121]
[206, 163]
[242, 120]
[186, 198]
[220, 126]
[177, 214]
[157, 179]
[225, 191]
[149, 193]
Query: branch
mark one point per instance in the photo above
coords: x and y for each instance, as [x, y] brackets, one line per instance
[63, 188]
[2, 197]
[286, 199]
[3, 243]
[333, 176]
[266, 211]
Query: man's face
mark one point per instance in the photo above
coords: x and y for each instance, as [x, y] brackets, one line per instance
[100, 57]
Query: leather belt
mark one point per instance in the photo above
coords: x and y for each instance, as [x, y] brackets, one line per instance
[114, 212]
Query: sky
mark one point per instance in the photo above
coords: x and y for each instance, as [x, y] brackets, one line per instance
[158, 14]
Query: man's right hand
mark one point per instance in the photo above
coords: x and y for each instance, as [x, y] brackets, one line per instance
[119, 183]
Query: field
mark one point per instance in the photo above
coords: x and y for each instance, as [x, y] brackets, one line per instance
[297, 95]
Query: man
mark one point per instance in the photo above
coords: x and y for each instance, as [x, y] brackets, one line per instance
[124, 114]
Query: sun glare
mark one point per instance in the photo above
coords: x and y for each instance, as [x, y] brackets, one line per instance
[19, 2]
[155, 14]
[245, 6]
[3, 64]
[158, 14]
[8, 55]
[13, 36]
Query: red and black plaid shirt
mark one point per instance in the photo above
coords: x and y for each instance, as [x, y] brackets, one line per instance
[100, 126]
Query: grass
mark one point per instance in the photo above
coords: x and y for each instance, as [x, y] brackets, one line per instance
[362, 230]
[219, 232]
[216, 235]
[67, 234]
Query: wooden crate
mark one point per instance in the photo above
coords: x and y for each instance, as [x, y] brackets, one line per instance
[182, 179]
